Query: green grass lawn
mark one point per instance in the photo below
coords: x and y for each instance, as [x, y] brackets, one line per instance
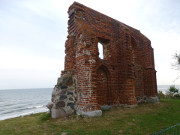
[145, 119]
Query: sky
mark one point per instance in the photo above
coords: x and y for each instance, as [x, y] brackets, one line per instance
[33, 35]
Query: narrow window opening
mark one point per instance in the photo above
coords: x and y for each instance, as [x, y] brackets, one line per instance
[100, 49]
[103, 48]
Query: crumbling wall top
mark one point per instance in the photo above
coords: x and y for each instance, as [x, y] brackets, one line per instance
[132, 31]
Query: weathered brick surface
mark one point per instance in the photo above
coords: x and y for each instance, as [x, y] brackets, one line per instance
[125, 74]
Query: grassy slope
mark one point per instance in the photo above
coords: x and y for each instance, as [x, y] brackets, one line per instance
[142, 120]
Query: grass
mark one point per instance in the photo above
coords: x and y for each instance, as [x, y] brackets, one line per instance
[145, 119]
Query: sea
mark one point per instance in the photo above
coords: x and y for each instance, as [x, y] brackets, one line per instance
[22, 102]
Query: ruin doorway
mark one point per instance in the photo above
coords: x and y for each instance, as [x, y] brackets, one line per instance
[103, 86]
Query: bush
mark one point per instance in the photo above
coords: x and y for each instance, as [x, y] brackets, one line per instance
[161, 94]
[173, 92]
[177, 96]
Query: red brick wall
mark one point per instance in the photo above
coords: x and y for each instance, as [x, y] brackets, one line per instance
[127, 70]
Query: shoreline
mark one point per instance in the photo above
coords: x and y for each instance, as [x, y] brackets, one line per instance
[22, 115]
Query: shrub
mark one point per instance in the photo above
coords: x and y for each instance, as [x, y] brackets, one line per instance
[161, 94]
[173, 92]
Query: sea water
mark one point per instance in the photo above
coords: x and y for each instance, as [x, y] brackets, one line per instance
[21, 102]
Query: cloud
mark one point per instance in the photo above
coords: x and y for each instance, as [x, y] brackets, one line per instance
[31, 29]
[22, 70]
[16, 59]
[31, 45]
[27, 78]
[33, 34]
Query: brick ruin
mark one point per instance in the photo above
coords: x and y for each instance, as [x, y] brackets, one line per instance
[125, 76]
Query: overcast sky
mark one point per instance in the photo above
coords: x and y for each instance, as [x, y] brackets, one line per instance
[33, 34]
